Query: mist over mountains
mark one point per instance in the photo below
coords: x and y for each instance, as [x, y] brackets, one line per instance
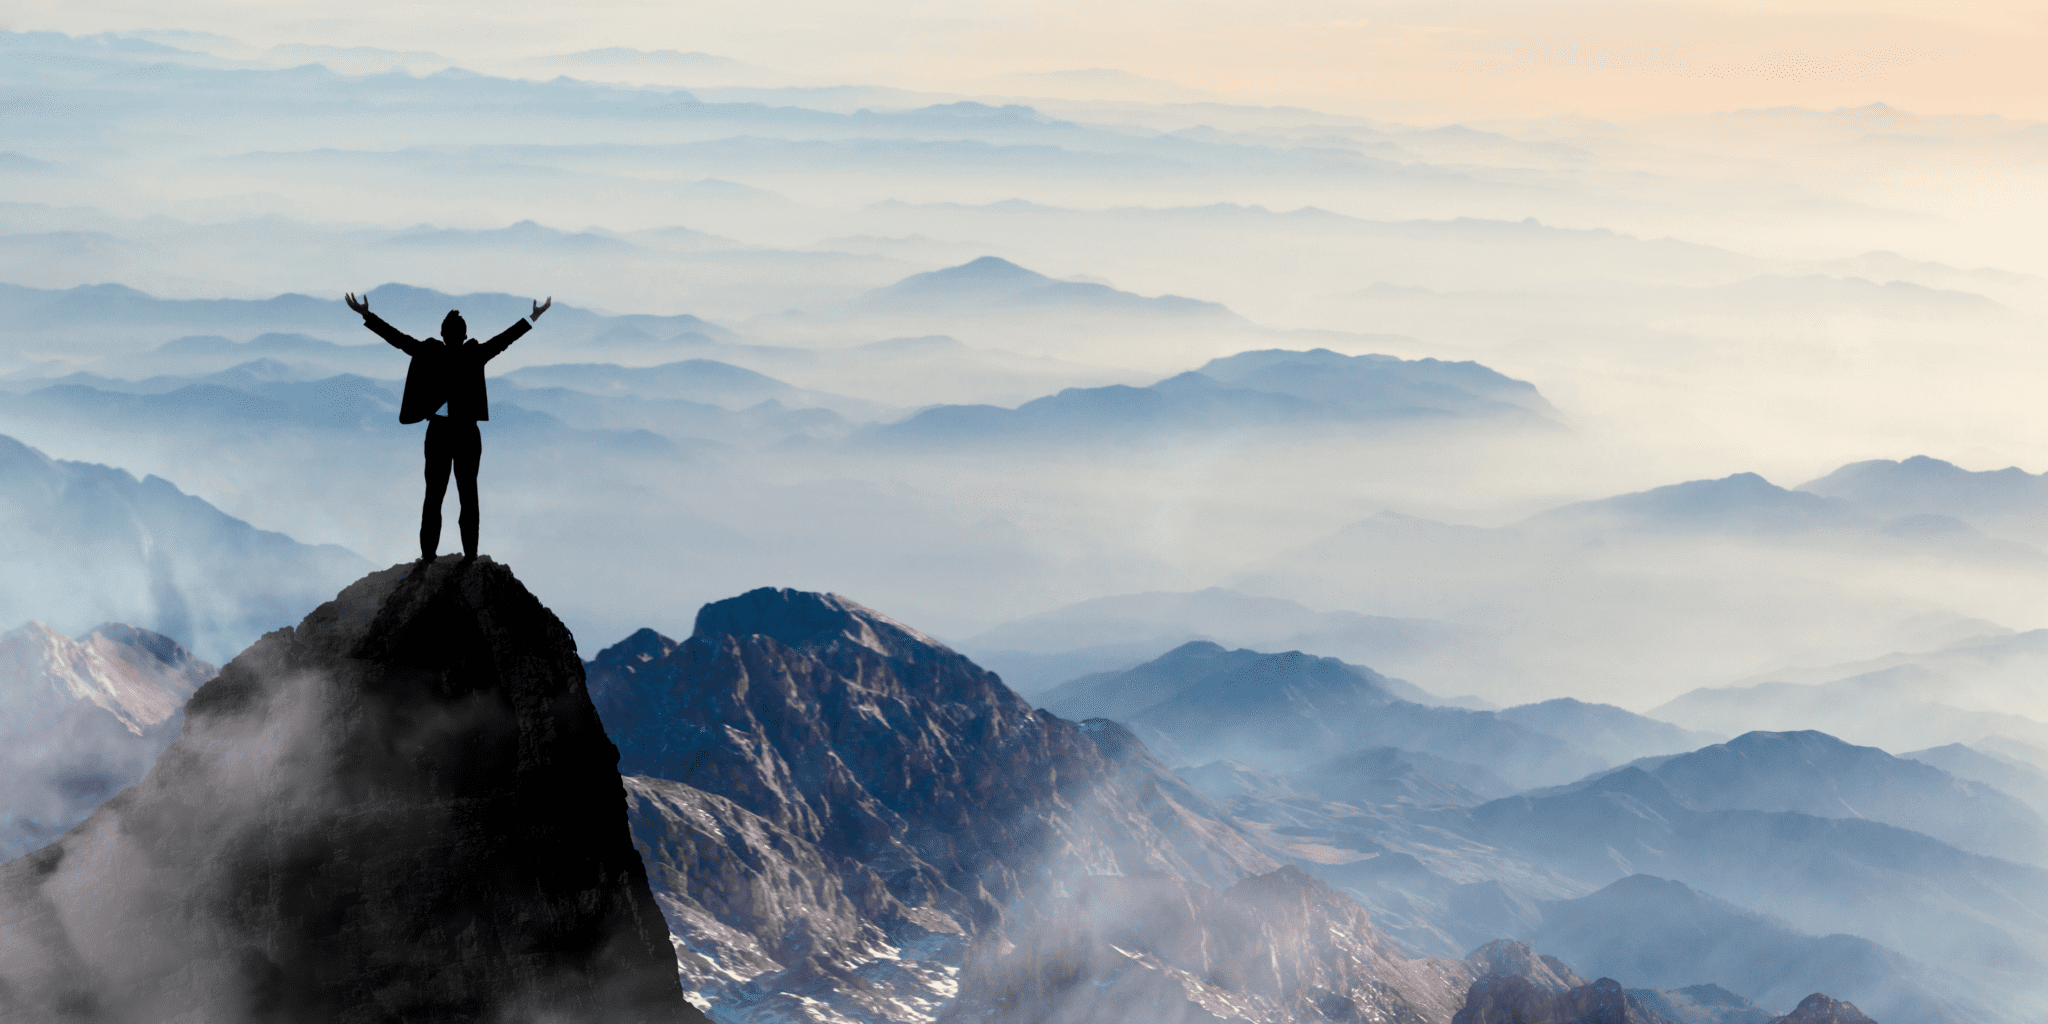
[1339, 566]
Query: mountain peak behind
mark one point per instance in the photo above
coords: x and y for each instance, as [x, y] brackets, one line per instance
[814, 623]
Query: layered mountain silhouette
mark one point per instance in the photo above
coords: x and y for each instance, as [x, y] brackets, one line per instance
[1970, 916]
[1911, 702]
[85, 719]
[1662, 934]
[403, 808]
[1604, 730]
[2008, 775]
[837, 808]
[1251, 391]
[1389, 775]
[1814, 773]
[1109, 634]
[1285, 711]
[1741, 503]
[993, 283]
[88, 544]
[705, 381]
[2009, 498]
[118, 306]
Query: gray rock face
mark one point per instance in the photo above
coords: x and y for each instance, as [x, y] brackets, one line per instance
[1514, 999]
[847, 821]
[403, 809]
[1819, 1009]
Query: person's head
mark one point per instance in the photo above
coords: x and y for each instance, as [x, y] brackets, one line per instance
[453, 330]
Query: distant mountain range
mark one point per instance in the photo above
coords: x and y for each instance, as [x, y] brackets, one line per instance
[1817, 774]
[1114, 633]
[1283, 711]
[1252, 391]
[88, 544]
[1705, 580]
[1913, 702]
[1966, 915]
[1280, 711]
[1663, 934]
[116, 310]
[2025, 782]
[992, 284]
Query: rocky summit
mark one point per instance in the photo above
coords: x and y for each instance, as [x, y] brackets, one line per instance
[405, 808]
[845, 820]
[1819, 1009]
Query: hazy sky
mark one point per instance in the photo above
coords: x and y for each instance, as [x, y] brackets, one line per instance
[1426, 59]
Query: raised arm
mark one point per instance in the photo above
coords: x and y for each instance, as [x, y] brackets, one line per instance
[518, 330]
[405, 343]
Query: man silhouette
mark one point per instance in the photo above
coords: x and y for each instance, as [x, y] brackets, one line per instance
[447, 374]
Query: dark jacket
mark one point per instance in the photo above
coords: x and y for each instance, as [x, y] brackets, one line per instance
[442, 374]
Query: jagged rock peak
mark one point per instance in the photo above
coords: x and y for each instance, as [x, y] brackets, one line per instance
[815, 624]
[1503, 957]
[139, 677]
[1819, 1009]
[1514, 999]
[405, 808]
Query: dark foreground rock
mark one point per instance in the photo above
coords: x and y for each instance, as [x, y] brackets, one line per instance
[403, 809]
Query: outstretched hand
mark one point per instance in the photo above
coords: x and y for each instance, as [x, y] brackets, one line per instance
[361, 306]
[539, 308]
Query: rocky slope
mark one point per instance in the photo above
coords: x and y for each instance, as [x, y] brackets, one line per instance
[81, 719]
[847, 821]
[405, 808]
[1513, 999]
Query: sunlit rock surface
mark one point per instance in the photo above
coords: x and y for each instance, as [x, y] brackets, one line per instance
[403, 809]
[82, 719]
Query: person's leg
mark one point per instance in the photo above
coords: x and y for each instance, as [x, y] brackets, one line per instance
[468, 451]
[439, 460]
